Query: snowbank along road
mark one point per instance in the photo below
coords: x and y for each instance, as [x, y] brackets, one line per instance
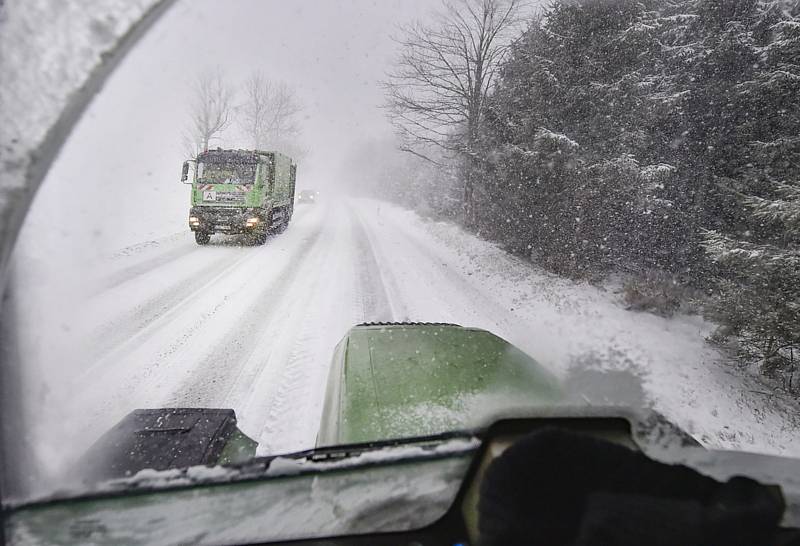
[254, 328]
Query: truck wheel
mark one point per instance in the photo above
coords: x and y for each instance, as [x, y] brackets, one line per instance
[202, 237]
[287, 215]
[260, 237]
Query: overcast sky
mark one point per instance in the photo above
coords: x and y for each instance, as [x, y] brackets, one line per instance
[334, 53]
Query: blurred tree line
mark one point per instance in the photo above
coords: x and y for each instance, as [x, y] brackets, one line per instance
[377, 168]
[659, 139]
[265, 117]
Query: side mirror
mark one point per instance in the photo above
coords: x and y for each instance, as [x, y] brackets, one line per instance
[185, 172]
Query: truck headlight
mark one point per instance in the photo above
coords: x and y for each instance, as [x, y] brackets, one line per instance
[252, 221]
[194, 219]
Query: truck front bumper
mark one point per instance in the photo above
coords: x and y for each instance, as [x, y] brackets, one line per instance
[225, 220]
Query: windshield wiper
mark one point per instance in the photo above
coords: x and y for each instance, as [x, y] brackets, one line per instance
[317, 460]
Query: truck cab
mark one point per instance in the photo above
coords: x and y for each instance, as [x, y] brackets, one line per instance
[248, 192]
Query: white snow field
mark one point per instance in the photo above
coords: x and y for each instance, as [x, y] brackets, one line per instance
[168, 323]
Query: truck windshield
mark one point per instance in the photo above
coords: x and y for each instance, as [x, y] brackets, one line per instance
[226, 173]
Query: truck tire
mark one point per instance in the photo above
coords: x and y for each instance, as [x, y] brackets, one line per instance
[287, 215]
[202, 237]
[260, 237]
[288, 218]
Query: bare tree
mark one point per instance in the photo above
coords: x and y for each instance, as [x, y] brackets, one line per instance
[191, 144]
[211, 110]
[437, 90]
[269, 114]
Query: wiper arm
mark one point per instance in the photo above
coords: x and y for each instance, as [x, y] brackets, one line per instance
[327, 453]
[314, 461]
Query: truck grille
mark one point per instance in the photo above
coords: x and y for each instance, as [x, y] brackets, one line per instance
[220, 215]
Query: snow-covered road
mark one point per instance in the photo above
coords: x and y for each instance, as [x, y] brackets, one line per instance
[253, 328]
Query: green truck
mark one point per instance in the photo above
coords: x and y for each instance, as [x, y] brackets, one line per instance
[247, 192]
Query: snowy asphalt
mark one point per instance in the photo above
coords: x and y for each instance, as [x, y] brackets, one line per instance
[254, 328]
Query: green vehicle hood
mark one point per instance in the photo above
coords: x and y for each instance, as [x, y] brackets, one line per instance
[403, 380]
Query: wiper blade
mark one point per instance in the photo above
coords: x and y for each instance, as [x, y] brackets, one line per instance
[363, 455]
[302, 462]
[351, 450]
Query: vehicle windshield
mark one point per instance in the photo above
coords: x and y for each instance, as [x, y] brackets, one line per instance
[225, 173]
[518, 207]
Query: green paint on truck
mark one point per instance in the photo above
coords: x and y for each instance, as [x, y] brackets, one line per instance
[405, 380]
[240, 192]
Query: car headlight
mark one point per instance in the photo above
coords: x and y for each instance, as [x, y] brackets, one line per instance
[194, 219]
[252, 221]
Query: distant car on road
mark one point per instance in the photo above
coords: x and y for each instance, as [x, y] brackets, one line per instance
[308, 196]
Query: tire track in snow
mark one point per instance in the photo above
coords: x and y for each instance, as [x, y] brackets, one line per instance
[131, 272]
[303, 380]
[292, 392]
[144, 375]
[133, 327]
[137, 321]
[375, 304]
[305, 362]
[166, 256]
[466, 300]
[297, 385]
[213, 378]
[280, 431]
[382, 302]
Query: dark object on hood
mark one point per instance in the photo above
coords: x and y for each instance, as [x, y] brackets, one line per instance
[160, 439]
[560, 488]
